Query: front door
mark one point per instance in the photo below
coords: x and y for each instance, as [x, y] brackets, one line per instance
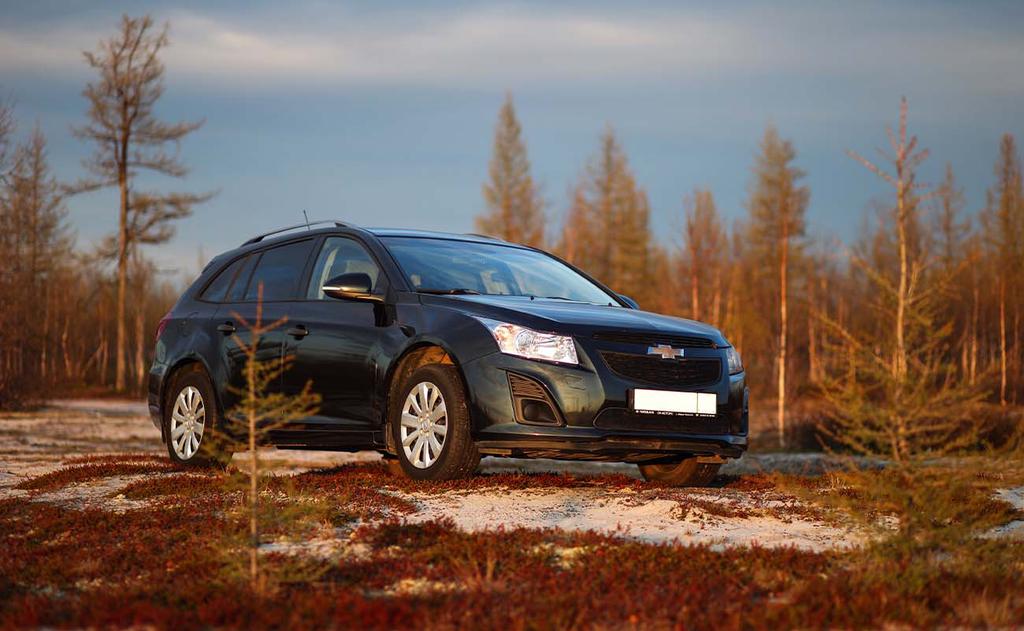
[336, 344]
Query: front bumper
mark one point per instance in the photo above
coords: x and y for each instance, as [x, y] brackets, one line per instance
[576, 444]
[594, 419]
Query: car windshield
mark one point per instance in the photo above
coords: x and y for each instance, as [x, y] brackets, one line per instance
[449, 266]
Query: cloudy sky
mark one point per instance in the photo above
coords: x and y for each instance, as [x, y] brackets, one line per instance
[382, 113]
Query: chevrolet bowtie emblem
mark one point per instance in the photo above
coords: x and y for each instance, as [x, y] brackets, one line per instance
[666, 351]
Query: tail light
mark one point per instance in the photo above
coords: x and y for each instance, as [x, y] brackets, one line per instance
[164, 321]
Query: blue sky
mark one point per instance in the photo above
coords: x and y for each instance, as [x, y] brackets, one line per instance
[382, 113]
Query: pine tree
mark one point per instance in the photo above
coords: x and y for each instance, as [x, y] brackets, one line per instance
[515, 210]
[951, 230]
[894, 392]
[607, 232]
[128, 138]
[260, 410]
[777, 206]
[34, 240]
[951, 235]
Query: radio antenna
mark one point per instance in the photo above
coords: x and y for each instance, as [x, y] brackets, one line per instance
[306, 217]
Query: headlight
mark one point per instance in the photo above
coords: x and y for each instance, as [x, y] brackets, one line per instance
[735, 363]
[523, 342]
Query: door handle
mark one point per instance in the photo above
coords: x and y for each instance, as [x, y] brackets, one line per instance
[227, 328]
[298, 332]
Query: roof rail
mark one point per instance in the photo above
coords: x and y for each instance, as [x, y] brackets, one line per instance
[483, 236]
[260, 237]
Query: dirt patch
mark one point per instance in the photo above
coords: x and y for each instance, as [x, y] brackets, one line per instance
[734, 518]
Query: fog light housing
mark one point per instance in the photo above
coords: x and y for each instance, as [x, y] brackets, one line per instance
[531, 402]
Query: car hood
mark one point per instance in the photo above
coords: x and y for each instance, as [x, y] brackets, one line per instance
[562, 316]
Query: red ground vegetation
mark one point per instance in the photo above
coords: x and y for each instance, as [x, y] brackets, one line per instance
[178, 564]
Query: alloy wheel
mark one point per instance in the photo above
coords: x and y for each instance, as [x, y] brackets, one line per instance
[424, 425]
[188, 420]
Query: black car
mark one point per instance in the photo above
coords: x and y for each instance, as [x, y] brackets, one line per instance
[435, 349]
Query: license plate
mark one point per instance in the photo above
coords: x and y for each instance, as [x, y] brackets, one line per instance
[667, 402]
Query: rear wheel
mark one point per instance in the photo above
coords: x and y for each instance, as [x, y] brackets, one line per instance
[190, 421]
[686, 472]
[430, 426]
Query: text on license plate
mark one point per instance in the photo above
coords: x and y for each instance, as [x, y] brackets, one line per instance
[666, 402]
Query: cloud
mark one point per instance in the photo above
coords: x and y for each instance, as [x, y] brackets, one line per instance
[500, 46]
[467, 48]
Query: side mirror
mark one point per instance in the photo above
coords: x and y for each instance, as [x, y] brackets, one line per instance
[355, 286]
[633, 304]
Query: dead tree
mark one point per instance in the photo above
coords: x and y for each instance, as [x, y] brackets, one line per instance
[129, 138]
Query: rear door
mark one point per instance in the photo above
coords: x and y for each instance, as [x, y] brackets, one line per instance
[262, 294]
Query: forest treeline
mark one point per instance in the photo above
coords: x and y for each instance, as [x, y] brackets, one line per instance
[72, 319]
[916, 325]
[902, 339]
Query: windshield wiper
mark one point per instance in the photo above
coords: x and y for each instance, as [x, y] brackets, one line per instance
[457, 291]
[582, 302]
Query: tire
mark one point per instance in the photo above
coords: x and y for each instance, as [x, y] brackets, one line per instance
[442, 419]
[686, 472]
[191, 411]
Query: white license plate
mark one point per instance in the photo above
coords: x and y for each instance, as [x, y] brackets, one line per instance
[666, 402]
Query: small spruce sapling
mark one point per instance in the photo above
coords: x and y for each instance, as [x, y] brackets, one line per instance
[259, 411]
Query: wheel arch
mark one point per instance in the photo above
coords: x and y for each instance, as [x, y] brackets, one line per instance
[421, 353]
[189, 362]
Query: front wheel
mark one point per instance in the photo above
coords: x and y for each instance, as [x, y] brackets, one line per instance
[686, 472]
[430, 426]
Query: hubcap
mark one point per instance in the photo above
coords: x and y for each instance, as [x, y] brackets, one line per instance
[188, 419]
[424, 425]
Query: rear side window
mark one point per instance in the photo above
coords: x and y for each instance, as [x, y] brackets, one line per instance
[217, 290]
[237, 291]
[279, 270]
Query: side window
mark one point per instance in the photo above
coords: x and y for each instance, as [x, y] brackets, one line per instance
[279, 270]
[341, 255]
[237, 291]
[217, 290]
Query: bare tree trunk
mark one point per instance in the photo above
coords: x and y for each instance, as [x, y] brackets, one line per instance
[1015, 356]
[901, 297]
[43, 373]
[974, 331]
[783, 323]
[140, 363]
[716, 302]
[812, 333]
[122, 279]
[103, 360]
[254, 535]
[694, 289]
[1002, 340]
[68, 372]
[730, 305]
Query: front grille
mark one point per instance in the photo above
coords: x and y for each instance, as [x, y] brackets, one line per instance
[653, 339]
[664, 372]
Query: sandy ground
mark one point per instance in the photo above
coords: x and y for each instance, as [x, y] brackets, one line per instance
[35, 443]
